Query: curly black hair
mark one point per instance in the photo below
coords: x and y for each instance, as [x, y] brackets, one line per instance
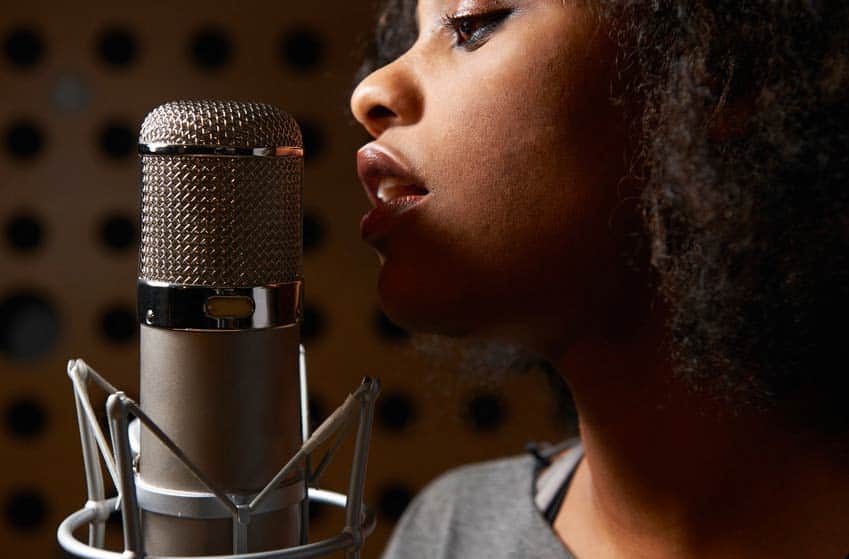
[743, 123]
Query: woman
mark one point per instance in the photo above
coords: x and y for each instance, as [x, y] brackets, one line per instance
[652, 197]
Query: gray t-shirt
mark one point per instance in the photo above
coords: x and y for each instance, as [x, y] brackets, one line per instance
[484, 511]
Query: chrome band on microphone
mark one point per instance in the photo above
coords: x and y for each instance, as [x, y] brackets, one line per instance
[189, 307]
[228, 151]
[197, 504]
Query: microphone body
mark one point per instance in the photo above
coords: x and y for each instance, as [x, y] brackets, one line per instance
[220, 290]
[231, 402]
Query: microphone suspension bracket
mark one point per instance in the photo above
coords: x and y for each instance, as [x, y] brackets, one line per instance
[120, 456]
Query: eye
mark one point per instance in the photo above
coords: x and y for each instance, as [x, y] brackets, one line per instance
[472, 29]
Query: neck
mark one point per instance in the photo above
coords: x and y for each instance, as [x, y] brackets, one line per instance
[667, 473]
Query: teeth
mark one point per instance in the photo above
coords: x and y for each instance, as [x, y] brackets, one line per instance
[391, 188]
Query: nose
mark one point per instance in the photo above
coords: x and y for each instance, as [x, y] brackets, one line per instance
[389, 96]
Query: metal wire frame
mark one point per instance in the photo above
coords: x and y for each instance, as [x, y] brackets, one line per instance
[118, 460]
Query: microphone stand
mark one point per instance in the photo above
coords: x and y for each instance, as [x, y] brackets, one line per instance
[120, 458]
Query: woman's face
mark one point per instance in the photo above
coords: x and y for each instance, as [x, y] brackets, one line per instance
[504, 115]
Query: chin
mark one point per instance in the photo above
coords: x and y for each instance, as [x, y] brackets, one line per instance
[419, 305]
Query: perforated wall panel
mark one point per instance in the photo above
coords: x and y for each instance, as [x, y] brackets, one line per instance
[77, 79]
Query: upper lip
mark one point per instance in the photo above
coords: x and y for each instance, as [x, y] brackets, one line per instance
[374, 163]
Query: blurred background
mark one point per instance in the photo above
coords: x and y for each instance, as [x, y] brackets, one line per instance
[75, 83]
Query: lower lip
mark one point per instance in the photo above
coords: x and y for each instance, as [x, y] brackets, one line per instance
[380, 220]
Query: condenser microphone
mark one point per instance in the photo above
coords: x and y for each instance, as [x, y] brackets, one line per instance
[217, 462]
[219, 300]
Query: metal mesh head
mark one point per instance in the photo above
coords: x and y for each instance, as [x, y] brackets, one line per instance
[220, 123]
[220, 221]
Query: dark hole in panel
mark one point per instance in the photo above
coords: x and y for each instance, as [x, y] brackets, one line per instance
[395, 411]
[302, 49]
[393, 500]
[24, 47]
[24, 139]
[312, 326]
[26, 510]
[24, 232]
[118, 232]
[118, 324]
[25, 418]
[117, 140]
[486, 412]
[210, 48]
[314, 230]
[117, 47]
[29, 326]
[313, 138]
[317, 411]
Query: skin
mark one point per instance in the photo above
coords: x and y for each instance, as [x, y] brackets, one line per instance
[531, 235]
[533, 202]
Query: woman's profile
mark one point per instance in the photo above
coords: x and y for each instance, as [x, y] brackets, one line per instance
[652, 197]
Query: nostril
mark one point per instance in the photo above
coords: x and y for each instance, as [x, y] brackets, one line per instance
[379, 112]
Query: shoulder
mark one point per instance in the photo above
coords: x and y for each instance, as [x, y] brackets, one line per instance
[482, 483]
[478, 510]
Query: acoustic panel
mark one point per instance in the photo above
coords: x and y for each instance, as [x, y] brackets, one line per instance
[76, 82]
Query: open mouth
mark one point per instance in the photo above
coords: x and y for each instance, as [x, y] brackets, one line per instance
[388, 182]
[391, 189]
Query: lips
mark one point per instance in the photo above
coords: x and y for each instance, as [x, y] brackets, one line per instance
[384, 177]
[391, 187]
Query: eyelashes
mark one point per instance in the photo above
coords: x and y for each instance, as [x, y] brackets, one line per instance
[471, 31]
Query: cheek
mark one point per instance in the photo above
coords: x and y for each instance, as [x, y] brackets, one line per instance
[510, 178]
[523, 170]
[502, 230]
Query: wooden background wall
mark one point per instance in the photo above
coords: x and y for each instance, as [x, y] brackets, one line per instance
[75, 82]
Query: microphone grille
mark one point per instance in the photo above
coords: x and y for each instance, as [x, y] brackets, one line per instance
[220, 220]
[220, 123]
